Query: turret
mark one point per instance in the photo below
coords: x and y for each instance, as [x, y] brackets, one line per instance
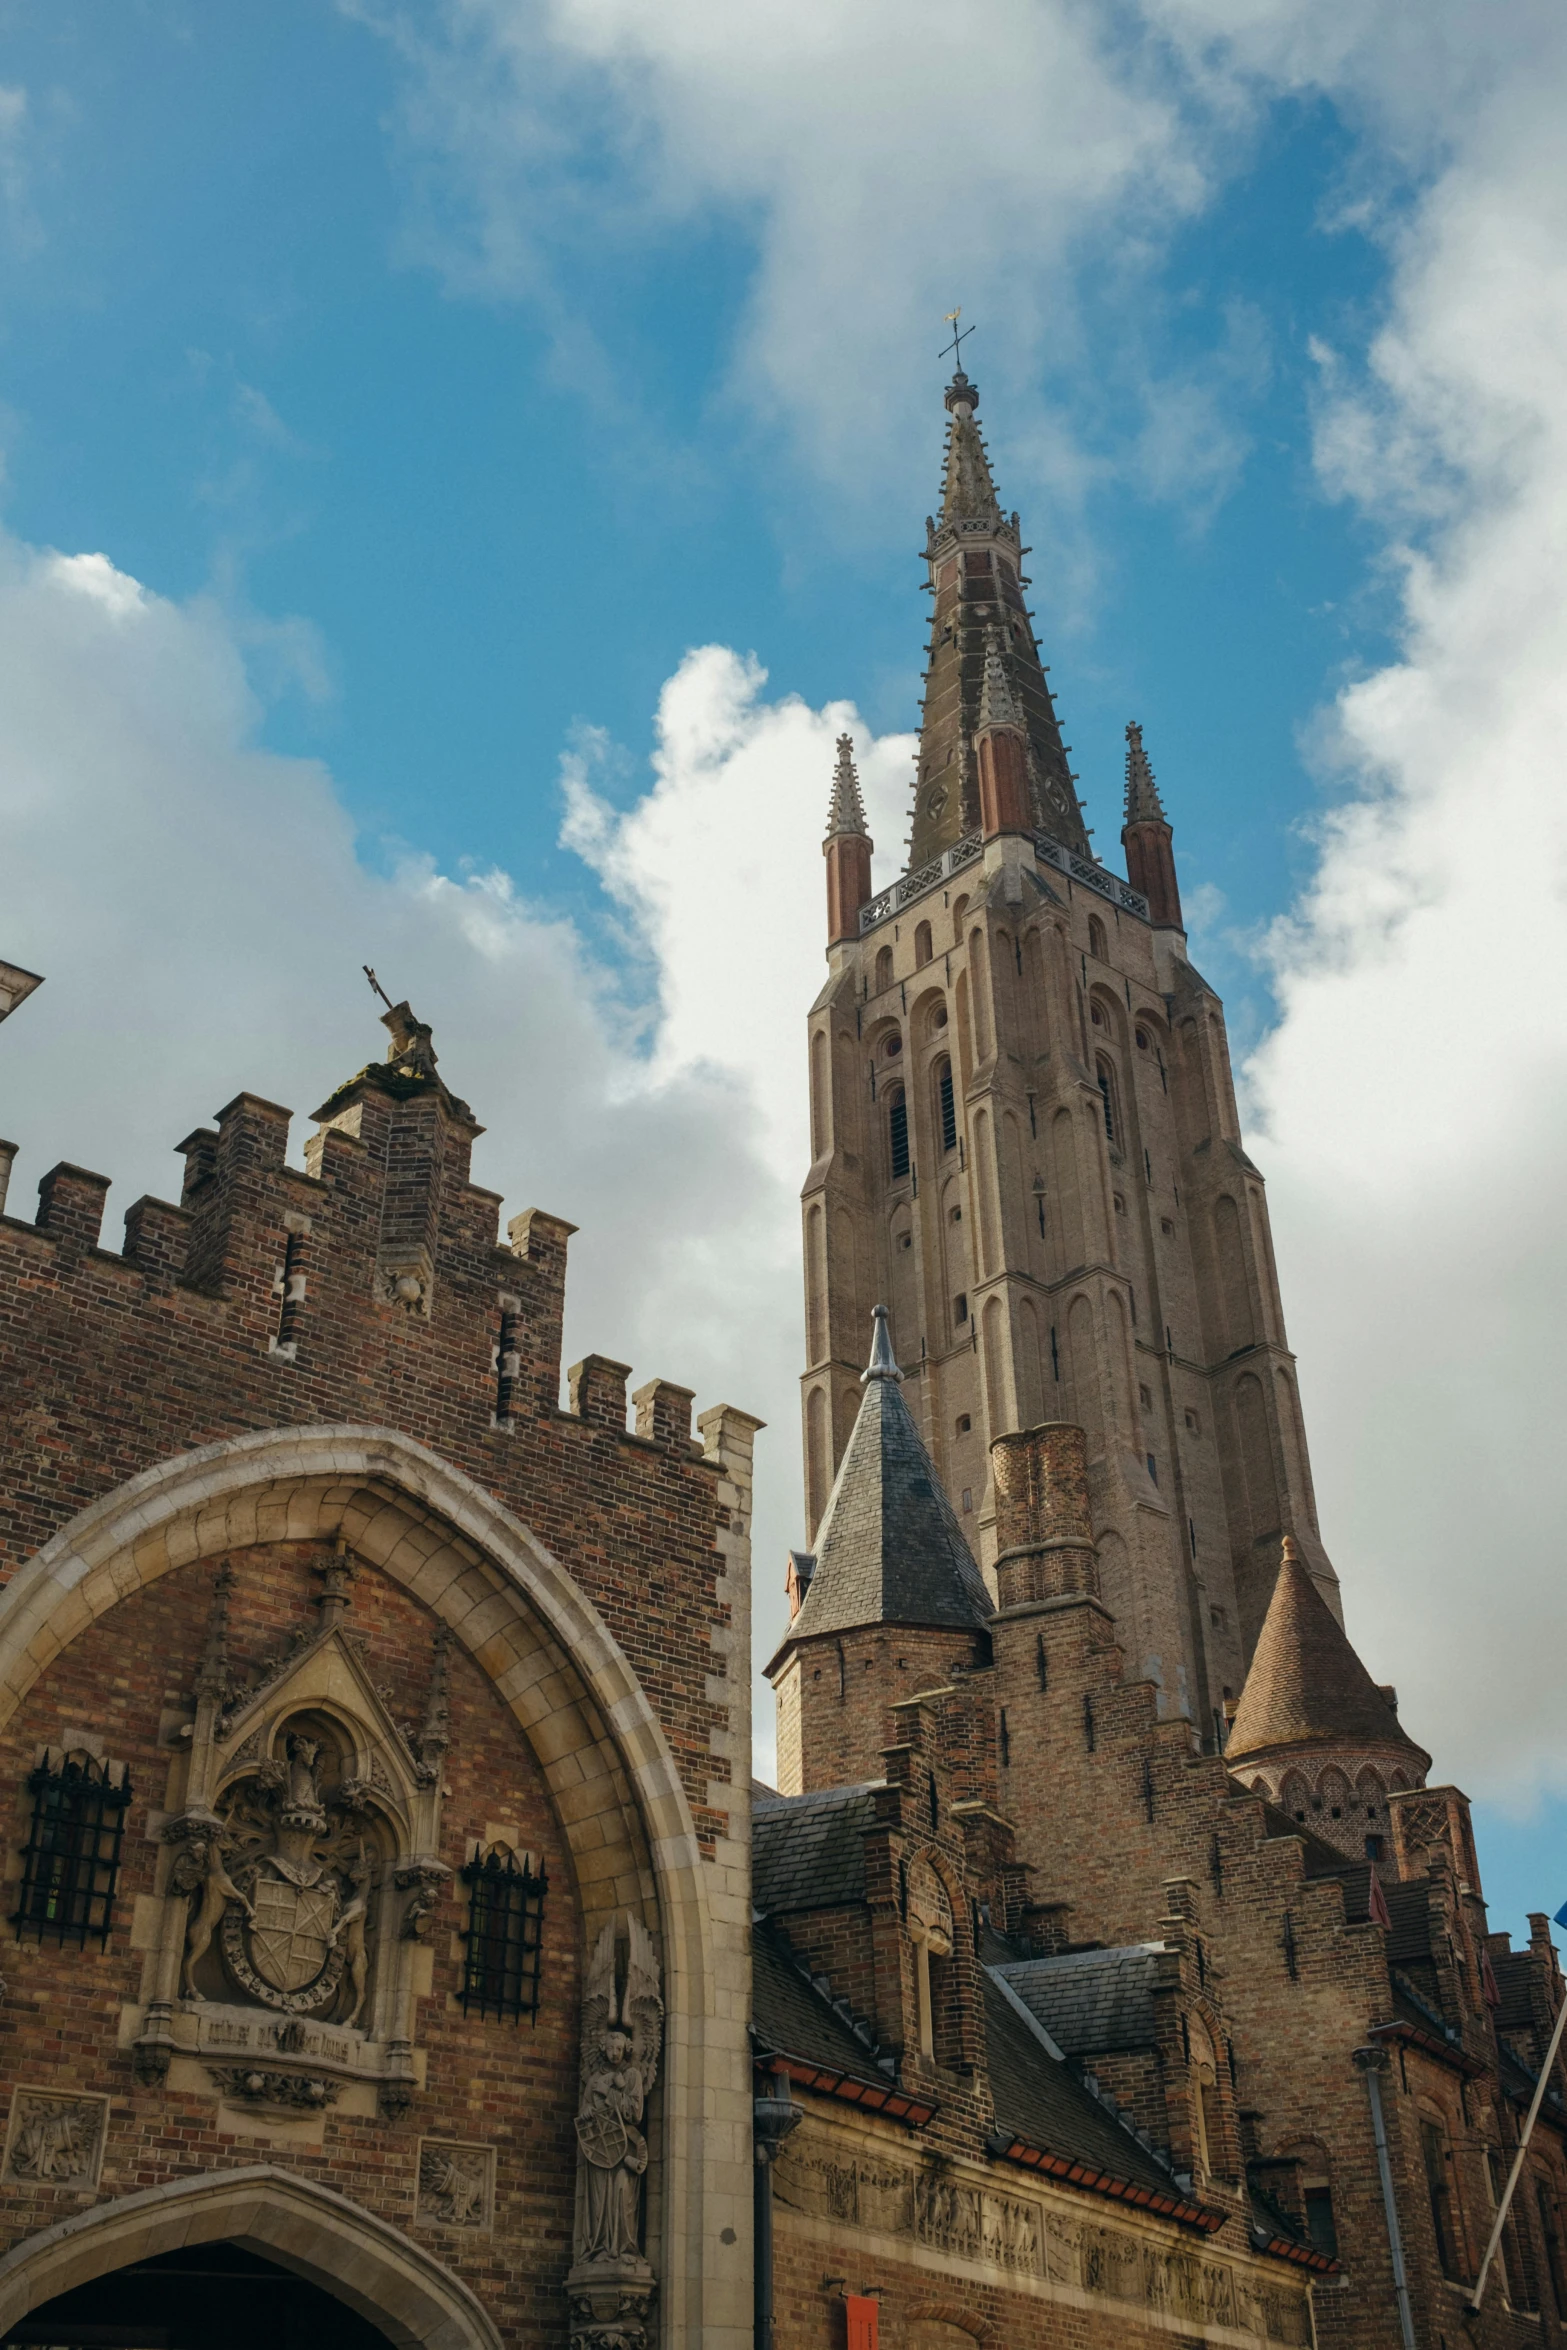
[847, 849]
[1147, 838]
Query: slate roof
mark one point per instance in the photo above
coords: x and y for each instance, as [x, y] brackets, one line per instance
[808, 1851]
[1306, 1686]
[1040, 2100]
[1091, 2001]
[791, 2017]
[889, 1549]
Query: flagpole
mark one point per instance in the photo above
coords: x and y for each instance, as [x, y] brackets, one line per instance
[1523, 2148]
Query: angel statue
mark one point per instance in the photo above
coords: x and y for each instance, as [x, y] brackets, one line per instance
[621, 2032]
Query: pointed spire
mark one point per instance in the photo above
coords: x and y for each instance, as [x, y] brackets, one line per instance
[1307, 1687]
[889, 1549]
[1143, 804]
[846, 809]
[997, 706]
[975, 553]
[967, 492]
[883, 1363]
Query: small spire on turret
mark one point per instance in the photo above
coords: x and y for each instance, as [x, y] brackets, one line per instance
[883, 1363]
[1143, 804]
[846, 809]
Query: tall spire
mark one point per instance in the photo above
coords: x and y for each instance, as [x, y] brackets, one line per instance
[846, 809]
[1147, 838]
[1142, 793]
[975, 552]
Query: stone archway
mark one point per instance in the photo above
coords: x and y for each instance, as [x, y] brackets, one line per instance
[336, 2245]
[553, 1661]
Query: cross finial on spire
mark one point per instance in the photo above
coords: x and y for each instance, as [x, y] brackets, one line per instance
[883, 1363]
[1143, 804]
[960, 336]
[846, 809]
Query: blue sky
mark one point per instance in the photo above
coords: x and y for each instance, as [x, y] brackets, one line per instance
[432, 381]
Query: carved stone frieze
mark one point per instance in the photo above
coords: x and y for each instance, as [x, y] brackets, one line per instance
[306, 2092]
[456, 2184]
[984, 2224]
[54, 2141]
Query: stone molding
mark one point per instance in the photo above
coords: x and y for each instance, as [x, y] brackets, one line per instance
[551, 1658]
[322, 2236]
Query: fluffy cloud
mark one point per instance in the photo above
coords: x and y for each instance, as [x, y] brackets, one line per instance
[200, 913]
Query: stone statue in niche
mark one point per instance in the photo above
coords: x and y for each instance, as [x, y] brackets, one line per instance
[611, 2283]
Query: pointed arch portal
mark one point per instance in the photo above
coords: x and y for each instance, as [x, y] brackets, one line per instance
[345, 2251]
[552, 1660]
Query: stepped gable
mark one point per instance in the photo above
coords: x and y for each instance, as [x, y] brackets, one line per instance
[889, 1549]
[1307, 1687]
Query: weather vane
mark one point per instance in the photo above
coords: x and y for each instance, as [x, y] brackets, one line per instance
[379, 989]
[958, 335]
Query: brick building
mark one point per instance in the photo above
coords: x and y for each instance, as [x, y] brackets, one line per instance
[376, 1752]
[1119, 1975]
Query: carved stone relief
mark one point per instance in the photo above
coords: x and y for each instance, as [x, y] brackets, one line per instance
[302, 1858]
[54, 2141]
[456, 2184]
[611, 2284]
[964, 2220]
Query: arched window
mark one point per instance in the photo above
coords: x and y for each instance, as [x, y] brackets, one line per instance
[1096, 938]
[923, 950]
[946, 1106]
[1437, 2159]
[883, 968]
[1106, 1077]
[958, 912]
[898, 1133]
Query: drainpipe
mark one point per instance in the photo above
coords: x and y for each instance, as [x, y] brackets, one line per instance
[772, 2119]
[1373, 2062]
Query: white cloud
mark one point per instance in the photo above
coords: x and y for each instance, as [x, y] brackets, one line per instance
[200, 914]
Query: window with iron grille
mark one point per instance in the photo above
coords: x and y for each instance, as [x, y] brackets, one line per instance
[505, 1930]
[71, 1864]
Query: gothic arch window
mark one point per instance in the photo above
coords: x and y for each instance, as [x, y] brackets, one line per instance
[1105, 1076]
[1437, 2161]
[883, 968]
[898, 1134]
[818, 1093]
[923, 949]
[958, 913]
[946, 1105]
[1295, 1796]
[1096, 939]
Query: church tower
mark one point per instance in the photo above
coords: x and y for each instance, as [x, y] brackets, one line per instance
[1025, 1143]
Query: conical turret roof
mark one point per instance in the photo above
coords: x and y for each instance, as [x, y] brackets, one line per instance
[1143, 804]
[1306, 1686]
[975, 553]
[889, 1549]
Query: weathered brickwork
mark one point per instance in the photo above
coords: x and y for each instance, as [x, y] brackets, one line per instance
[344, 1363]
[126, 1683]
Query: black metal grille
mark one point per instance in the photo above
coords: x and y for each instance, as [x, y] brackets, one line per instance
[898, 1135]
[948, 1108]
[505, 1931]
[71, 1865]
